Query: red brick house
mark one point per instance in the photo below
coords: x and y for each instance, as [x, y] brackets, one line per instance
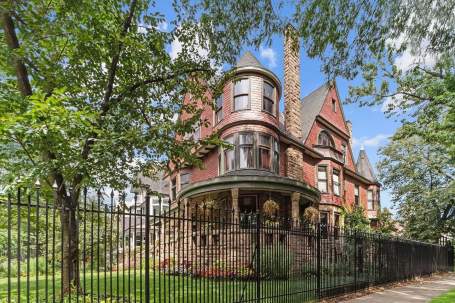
[300, 158]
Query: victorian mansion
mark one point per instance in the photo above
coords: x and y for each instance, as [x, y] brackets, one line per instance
[300, 158]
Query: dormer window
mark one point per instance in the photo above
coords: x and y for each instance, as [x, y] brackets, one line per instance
[219, 108]
[241, 94]
[268, 101]
[325, 139]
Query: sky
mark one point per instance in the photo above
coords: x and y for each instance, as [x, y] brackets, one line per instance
[371, 128]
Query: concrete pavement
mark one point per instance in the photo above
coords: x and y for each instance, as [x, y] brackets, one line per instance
[422, 291]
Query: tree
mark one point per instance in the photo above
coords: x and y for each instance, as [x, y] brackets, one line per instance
[420, 177]
[89, 95]
[355, 219]
[386, 223]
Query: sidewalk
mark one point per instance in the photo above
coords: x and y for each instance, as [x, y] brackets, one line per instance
[422, 291]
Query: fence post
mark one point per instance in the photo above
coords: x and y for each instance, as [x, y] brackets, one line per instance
[318, 261]
[355, 260]
[147, 248]
[258, 257]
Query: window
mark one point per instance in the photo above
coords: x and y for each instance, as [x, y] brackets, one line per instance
[264, 149]
[197, 133]
[370, 200]
[334, 106]
[252, 150]
[276, 156]
[356, 195]
[322, 179]
[229, 155]
[241, 91]
[184, 179]
[337, 225]
[268, 102]
[336, 182]
[219, 108]
[220, 164]
[174, 188]
[325, 139]
[246, 155]
[343, 151]
[324, 221]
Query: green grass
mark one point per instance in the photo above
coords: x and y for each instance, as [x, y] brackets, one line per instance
[448, 297]
[164, 288]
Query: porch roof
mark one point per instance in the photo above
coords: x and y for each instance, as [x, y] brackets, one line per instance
[251, 181]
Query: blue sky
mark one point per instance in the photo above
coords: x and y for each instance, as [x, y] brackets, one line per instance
[370, 126]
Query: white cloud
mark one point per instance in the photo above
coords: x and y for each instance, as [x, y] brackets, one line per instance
[374, 141]
[268, 54]
[163, 26]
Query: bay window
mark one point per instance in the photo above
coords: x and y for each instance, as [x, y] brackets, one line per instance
[336, 182]
[268, 101]
[322, 179]
[252, 150]
[241, 94]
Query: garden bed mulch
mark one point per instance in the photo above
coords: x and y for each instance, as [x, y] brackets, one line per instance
[380, 288]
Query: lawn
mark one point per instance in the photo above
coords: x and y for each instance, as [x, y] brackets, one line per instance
[448, 297]
[129, 287]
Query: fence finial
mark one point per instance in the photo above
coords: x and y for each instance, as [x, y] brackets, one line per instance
[54, 185]
[37, 183]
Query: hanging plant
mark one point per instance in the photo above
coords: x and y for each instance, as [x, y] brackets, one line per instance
[271, 207]
[311, 214]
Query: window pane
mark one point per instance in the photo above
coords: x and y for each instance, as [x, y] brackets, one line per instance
[336, 189]
[246, 138]
[322, 173]
[265, 140]
[246, 157]
[219, 115]
[219, 102]
[264, 158]
[276, 162]
[356, 190]
[241, 87]
[335, 178]
[229, 161]
[370, 195]
[322, 186]
[268, 105]
[268, 90]
[241, 102]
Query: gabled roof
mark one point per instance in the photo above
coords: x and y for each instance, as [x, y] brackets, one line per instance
[248, 59]
[311, 106]
[364, 167]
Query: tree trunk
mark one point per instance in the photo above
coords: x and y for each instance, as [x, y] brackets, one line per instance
[70, 242]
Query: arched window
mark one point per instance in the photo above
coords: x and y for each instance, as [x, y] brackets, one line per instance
[325, 139]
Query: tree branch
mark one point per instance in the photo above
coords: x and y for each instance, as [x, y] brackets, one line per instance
[23, 82]
[142, 83]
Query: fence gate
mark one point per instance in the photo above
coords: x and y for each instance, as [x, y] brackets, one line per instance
[102, 248]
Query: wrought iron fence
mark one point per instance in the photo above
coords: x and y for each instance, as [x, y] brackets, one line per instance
[123, 253]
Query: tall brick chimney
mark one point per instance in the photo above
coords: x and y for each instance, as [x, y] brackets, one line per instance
[292, 103]
[292, 83]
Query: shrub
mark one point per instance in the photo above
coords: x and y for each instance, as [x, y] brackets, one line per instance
[275, 262]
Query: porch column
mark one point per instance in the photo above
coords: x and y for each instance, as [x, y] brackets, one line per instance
[295, 208]
[235, 203]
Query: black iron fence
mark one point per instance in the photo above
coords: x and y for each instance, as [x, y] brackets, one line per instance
[125, 252]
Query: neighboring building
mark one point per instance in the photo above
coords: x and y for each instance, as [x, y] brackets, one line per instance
[134, 223]
[299, 158]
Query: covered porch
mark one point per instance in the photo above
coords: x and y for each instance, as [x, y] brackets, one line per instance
[237, 198]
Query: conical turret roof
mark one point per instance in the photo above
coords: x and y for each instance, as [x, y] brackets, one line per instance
[364, 167]
[248, 59]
